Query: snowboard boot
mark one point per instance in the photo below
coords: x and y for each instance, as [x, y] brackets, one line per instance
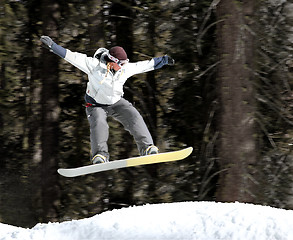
[98, 158]
[150, 150]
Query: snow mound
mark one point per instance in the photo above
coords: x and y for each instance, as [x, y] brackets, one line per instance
[172, 221]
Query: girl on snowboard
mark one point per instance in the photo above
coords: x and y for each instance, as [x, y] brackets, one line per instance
[107, 72]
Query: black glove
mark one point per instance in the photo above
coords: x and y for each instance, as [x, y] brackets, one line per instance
[171, 61]
[47, 41]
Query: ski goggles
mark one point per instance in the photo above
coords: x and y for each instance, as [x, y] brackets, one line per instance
[116, 60]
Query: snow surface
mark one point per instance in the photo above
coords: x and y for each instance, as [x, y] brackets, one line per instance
[180, 221]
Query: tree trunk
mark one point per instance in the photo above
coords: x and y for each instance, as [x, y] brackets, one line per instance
[237, 145]
[50, 115]
[96, 34]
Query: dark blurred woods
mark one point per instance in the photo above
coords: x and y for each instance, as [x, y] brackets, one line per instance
[228, 96]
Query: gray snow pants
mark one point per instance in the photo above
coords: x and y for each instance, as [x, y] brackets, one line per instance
[127, 115]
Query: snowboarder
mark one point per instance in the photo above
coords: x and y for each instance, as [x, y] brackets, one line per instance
[107, 72]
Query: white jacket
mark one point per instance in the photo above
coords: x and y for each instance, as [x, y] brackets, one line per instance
[106, 88]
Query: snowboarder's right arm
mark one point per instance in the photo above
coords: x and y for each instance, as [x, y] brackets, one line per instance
[79, 60]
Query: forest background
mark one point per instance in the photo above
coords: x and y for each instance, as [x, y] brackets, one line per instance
[228, 96]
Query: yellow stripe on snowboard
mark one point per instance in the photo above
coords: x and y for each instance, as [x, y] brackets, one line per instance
[161, 157]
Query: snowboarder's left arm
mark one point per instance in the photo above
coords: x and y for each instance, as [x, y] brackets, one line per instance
[149, 65]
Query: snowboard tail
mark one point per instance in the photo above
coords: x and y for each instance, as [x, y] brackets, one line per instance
[130, 162]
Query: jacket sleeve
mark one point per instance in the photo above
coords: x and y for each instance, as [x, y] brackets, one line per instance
[146, 66]
[81, 61]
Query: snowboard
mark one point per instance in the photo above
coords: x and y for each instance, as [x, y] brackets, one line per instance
[124, 163]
